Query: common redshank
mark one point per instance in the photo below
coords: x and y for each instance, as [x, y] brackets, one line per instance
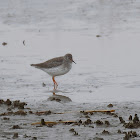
[56, 66]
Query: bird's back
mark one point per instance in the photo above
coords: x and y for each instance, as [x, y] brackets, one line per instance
[52, 63]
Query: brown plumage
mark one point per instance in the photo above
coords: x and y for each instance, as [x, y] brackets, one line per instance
[50, 63]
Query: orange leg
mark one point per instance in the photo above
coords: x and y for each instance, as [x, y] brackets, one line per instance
[55, 84]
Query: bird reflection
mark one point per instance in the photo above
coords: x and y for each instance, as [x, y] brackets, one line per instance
[59, 98]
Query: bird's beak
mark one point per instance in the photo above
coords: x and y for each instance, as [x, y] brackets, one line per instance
[73, 61]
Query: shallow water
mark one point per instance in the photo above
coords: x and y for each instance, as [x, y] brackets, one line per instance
[107, 67]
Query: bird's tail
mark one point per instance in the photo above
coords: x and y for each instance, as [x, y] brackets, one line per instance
[32, 64]
[35, 65]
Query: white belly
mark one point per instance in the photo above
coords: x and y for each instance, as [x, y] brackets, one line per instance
[60, 70]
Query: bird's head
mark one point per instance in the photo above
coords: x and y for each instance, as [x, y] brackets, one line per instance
[68, 57]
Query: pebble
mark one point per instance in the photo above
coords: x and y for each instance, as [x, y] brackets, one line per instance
[110, 105]
[15, 135]
[98, 122]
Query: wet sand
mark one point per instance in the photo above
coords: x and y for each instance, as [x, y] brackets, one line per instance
[17, 120]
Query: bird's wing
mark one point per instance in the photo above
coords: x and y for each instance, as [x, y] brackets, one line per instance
[50, 63]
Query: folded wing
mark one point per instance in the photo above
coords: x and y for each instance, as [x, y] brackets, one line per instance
[55, 62]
